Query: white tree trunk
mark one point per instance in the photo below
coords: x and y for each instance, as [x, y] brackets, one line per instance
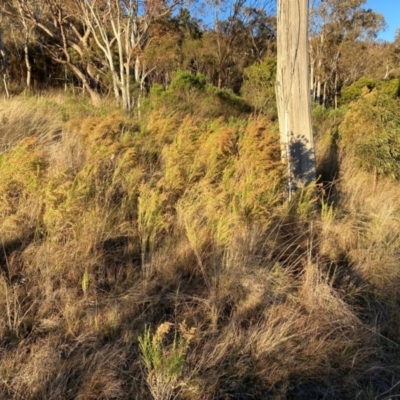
[27, 62]
[94, 96]
[4, 67]
[293, 93]
[318, 98]
[312, 91]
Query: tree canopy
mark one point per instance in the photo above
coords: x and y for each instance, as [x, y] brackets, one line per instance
[122, 49]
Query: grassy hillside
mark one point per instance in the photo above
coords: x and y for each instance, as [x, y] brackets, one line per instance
[154, 256]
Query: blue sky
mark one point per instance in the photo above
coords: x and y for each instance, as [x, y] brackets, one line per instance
[391, 11]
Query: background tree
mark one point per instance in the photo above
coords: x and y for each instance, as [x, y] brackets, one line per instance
[121, 31]
[4, 64]
[67, 37]
[124, 47]
[241, 33]
[395, 54]
[259, 87]
[339, 28]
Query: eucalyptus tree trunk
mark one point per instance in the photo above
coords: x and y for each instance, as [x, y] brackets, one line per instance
[312, 80]
[4, 66]
[293, 93]
[27, 35]
[94, 95]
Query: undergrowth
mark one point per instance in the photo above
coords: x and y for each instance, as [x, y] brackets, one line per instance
[155, 256]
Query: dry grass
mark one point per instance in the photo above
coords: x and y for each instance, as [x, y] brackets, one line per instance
[117, 225]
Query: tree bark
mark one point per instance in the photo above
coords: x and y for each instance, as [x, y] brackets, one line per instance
[94, 95]
[27, 61]
[293, 93]
[336, 90]
[27, 34]
[4, 66]
[312, 91]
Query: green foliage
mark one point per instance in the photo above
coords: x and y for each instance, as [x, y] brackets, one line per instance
[355, 90]
[184, 80]
[327, 212]
[303, 203]
[190, 94]
[229, 99]
[164, 364]
[326, 120]
[380, 153]
[259, 87]
[390, 88]
[371, 132]
[183, 92]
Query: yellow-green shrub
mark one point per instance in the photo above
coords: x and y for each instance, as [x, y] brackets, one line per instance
[370, 132]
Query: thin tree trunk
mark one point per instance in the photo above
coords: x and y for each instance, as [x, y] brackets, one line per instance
[137, 69]
[319, 91]
[336, 90]
[387, 71]
[27, 62]
[27, 32]
[293, 92]
[4, 61]
[337, 79]
[26, 55]
[94, 96]
[312, 80]
[3, 55]
[65, 79]
[122, 81]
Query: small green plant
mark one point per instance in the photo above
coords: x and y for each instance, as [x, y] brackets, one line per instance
[164, 364]
[327, 211]
[303, 202]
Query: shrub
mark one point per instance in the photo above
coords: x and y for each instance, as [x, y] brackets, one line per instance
[164, 364]
[189, 94]
[390, 88]
[185, 80]
[22, 172]
[259, 87]
[229, 100]
[355, 90]
[370, 131]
